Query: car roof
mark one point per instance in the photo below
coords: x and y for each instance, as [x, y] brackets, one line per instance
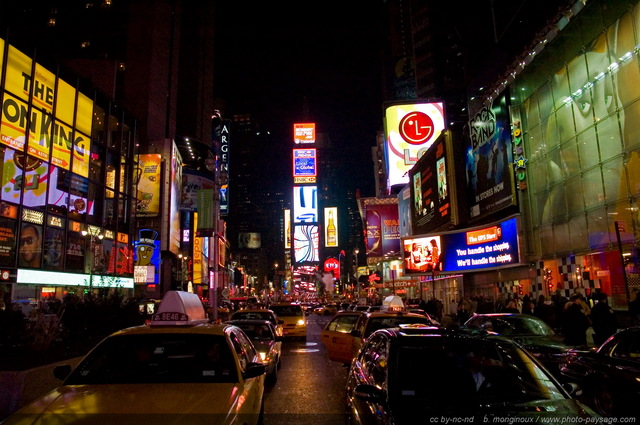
[249, 322]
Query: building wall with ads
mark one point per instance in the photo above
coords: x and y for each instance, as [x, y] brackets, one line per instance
[65, 169]
[578, 111]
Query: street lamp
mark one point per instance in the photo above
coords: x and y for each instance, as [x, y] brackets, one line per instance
[276, 283]
[94, 232]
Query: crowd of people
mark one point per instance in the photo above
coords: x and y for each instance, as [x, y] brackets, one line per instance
[571, 317]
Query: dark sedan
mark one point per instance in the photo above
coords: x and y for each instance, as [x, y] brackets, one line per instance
[529, 331]
[421, 374]
[610, 375]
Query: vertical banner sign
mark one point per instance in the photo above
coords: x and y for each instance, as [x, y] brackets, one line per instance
[383, 229]
[410, 130]
[205, 212]
[304, 166]
[225, 139]
[174, 207]
[287, 228]
[305, 204]
[490, 183]
[147, 179]
[197, 254]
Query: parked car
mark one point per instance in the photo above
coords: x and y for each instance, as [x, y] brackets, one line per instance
[415, 371]
[154, 371]
[269, 345]
[530, 331]
[609, 375]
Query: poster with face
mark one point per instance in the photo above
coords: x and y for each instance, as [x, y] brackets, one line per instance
[54, 249]
[30, 245]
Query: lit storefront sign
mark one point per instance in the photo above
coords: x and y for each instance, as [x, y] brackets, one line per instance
[147, 180]
[37, 277]
[410, 130]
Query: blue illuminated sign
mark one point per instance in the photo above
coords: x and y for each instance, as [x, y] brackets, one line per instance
[488, 247]
[304, 163]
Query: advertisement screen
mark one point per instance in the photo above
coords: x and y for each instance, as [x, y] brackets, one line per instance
[487, 247]
[304, 163]
[147, 257]
[383, 229]
[287, 228]
[404, 212]
[147, 178]
[305, 204]
[7, 242]
[410, 129]
[304, 133]
[331, 227]
[306, 243]
[490, 184]
[192, 182]
[429, 190]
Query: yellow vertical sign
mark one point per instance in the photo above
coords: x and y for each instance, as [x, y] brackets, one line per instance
[197, 253]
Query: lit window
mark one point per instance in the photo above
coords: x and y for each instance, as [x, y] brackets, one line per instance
[85, 44]
[51, 22]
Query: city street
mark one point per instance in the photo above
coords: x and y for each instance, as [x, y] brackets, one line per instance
[310, 387]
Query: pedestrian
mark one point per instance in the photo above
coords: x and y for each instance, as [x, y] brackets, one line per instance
[575, 323]
[527, 305]
[546, 311]
[464, 308]
[603, 319]
[514, 305]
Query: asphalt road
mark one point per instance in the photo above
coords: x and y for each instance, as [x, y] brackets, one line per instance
[310, 387]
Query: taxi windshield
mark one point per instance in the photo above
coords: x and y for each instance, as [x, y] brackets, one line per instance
[252, 315]
[157, 358]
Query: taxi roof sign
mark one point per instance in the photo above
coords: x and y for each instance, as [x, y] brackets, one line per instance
[392, 303]
[179, 308]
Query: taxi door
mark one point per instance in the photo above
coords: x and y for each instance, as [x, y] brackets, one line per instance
[336, 336]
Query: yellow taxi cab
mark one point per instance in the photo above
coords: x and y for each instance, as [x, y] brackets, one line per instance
[344, 335]
[295, 321]
[178, 369]
[260, 314]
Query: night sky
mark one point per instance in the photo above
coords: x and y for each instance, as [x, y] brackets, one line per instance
[271, 57]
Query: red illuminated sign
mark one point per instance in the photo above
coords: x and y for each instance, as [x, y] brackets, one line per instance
[416, 127]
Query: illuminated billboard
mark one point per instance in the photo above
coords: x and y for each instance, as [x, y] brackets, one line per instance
[410, 129]
[304, 166]
[383, 227]
[306, 243]
[331, 227]
[147, 181]
[432, 203]
[489, 159]
[48, 135]
[491, 246]
[146, 257]
[304, 133]
[305, 204]
[287, 228]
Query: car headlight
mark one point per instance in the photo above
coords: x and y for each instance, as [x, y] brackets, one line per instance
[300, 322]
[264, 357]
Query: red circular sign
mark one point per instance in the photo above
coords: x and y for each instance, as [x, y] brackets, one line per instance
[416, 127]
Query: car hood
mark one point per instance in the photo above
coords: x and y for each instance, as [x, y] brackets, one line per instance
[543, 410]
[134, 403]
[546, 343]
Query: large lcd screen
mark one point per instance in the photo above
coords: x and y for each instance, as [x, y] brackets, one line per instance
[306, 243]
[305, 204]
[488, 247]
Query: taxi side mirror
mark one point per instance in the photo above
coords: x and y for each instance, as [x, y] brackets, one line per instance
[355, 333]
[62, 371]
[253, 370]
